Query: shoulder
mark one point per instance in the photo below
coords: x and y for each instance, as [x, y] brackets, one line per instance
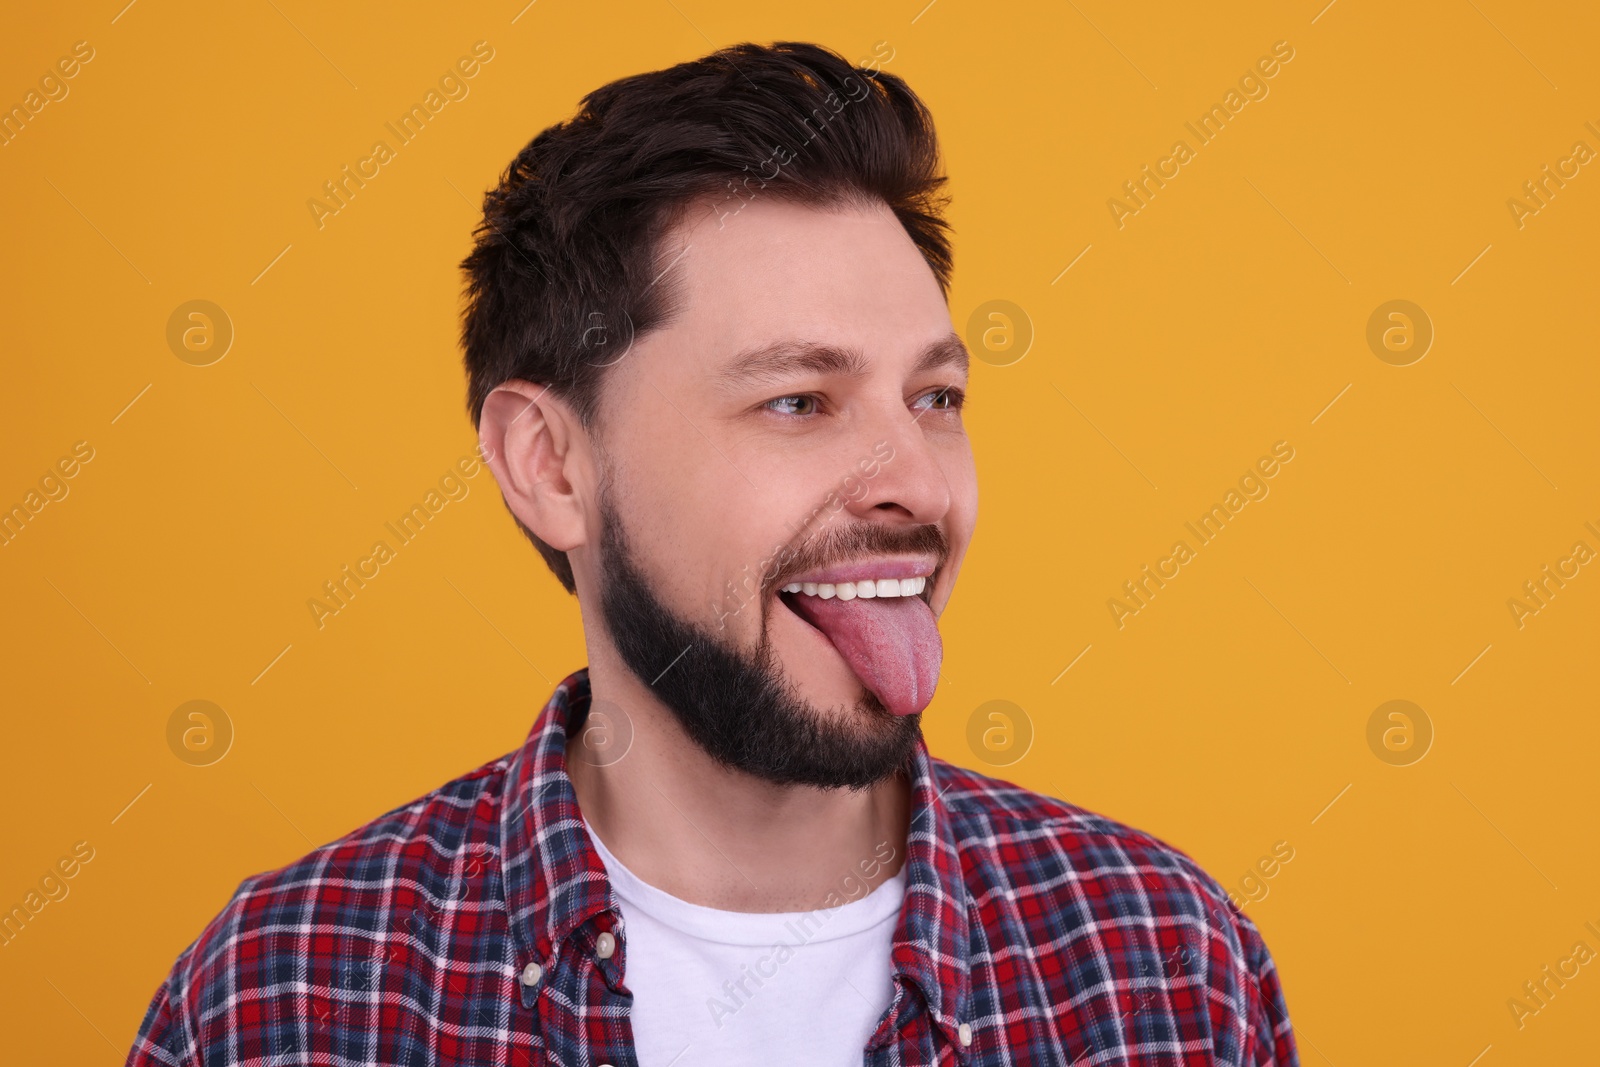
[1130, 924]
[1037, 822]
[1031, 844]
[329, 923]
[422, 844]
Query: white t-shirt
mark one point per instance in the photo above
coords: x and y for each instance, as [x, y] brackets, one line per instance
[714, 988]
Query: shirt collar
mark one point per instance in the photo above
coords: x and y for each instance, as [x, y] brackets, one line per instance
[932, 937]
[555, 880]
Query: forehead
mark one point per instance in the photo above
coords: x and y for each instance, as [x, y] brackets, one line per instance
[770, 271]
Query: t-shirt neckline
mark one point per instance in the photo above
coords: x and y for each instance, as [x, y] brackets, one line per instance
[856, 915]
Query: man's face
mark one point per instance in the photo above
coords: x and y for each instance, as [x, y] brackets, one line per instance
[798, 421]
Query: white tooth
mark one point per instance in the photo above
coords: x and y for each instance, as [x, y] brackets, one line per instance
[825, 590]
[846, 590]
[908, 587]
[888, 587]
[866, 589]
[922, 583]
[792, 587]
[809, 588]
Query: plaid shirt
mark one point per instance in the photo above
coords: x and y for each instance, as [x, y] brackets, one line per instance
[463, 928]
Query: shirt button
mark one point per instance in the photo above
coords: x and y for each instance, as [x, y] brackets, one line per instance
[531, 974]
[964, 1032]
[604, 946]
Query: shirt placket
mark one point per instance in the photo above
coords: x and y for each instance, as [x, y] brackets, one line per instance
[583, 1007]
[909, 1035]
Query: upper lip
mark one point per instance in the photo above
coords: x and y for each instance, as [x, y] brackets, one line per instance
[861, 569]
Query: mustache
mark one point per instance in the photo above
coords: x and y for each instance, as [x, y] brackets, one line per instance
[859, 540]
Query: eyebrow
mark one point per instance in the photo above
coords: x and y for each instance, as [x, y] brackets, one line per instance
[780, 359]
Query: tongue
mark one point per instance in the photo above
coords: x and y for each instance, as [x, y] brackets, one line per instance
[892, 644]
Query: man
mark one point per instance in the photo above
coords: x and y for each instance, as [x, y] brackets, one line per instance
[712, 367]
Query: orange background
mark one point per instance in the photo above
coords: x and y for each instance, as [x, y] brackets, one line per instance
[1228, 715]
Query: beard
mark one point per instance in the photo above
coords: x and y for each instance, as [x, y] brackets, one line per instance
[737, 705]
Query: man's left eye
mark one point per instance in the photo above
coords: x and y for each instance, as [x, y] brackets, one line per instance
[947, 399]
[802, 404]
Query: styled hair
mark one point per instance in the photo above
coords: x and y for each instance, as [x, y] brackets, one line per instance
[564, 270]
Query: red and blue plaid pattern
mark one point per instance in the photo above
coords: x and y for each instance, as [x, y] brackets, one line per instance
[1038, 932]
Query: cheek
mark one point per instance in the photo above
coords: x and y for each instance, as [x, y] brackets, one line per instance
[661, 507]
[687, 535]
[708, 542]
[962, 519]
[968, 481]
[961, 474]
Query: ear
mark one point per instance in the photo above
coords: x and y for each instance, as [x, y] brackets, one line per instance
[540, 457]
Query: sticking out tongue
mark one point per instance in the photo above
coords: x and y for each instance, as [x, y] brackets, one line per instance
[891, 643]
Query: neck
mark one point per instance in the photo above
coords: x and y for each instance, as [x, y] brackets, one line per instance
[719, 837]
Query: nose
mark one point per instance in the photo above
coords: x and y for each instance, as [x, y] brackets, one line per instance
[904, 477]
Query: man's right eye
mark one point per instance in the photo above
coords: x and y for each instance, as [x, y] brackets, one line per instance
[799, 404]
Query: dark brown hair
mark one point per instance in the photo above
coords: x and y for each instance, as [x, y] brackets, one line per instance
[564, 268]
